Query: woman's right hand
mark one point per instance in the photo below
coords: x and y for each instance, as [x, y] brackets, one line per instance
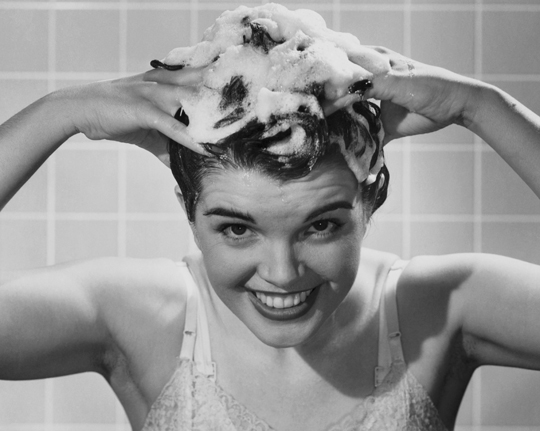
[138, 110]
[417, 98]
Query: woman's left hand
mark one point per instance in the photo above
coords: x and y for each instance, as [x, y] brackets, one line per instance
[417, 98]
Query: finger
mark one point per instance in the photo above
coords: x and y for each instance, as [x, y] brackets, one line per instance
[168, 98]
[174, 130]
[370, 59]
[190, 76]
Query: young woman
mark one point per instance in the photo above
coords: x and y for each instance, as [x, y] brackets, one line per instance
[283, 322]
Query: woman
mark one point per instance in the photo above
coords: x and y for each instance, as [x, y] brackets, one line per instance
[291, 325]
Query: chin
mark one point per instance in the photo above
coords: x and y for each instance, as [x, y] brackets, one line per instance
[285, 335]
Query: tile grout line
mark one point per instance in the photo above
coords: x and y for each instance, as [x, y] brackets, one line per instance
[217, 6]
[477, 209]
[122, 150]
[51, 201]
[122, 181]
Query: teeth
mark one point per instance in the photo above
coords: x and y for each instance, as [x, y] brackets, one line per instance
[283, 301]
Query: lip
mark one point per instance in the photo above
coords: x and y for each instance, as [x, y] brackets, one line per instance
[283, 314]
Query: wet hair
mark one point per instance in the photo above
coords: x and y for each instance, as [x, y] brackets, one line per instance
[247, 149]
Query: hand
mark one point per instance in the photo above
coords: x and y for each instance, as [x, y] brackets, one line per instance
[137, 110]
[417, 98]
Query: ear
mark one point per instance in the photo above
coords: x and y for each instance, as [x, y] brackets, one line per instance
[180, 198]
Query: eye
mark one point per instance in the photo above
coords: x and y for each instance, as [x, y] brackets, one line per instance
[324, 228]
[321, 225]
[237, 229]
[236, 232]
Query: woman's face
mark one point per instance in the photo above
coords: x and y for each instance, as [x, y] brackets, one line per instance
[281, 256]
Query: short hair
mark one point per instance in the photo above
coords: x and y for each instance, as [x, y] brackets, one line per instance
[247, 149]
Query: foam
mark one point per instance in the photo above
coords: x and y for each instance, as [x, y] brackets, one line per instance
[280, 62]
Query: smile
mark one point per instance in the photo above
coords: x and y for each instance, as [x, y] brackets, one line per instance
[283, 307]
[283, 301]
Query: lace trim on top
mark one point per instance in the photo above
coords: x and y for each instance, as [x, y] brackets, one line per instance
[191, 401]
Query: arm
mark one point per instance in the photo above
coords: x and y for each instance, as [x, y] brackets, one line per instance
[492, 300]
[54, 320]
[138, 110]
[80, 316]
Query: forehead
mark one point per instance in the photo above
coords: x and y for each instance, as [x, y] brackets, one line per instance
[257, 192]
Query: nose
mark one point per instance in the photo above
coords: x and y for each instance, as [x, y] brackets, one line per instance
[279, 265]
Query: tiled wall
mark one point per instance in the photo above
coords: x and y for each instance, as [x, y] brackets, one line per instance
[449, 191]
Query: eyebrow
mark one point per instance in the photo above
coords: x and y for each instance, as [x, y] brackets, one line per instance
[230, 212]
[329, 207]
[234, 213]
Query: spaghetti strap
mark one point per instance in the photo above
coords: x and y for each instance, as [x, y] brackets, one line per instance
[196, 342]
[390, 348]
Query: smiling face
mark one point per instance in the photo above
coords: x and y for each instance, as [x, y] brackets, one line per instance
[281, 256]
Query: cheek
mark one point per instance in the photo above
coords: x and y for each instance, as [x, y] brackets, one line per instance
[228, 269]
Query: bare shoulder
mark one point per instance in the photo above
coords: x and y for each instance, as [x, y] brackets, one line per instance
[464, 294]
[433, 287]
[135, 292]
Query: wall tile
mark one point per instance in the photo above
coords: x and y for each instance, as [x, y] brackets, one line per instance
[444, 39]
[507, 2]
[517, 240]
[452, 2]
[375, 28]
[384, 236]
[17, 94]
[23, 244]
[94, 187]
[32, 197]
[187, 2]
[524, 91]
[510, 397]
[87, 41]
[441, 238]
[442, 182]
[85, 239]
[152, 34]
[24, 40]
[83, 398]
[150, 185]
[206, 18]
[507, 46]
[379, 2]
[22, 402]
[150, 239]
[503, 191]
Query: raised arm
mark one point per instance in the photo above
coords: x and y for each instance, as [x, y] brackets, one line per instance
[138, 110]
[62, 319]
[493, 301]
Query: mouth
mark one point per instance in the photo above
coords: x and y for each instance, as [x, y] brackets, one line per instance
[283, 301]
[282, 307]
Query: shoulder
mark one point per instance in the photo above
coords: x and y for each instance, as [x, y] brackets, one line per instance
[127, 279]
[134, 299]
[133, 288]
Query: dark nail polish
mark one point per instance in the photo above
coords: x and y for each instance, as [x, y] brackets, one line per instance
[360, 86]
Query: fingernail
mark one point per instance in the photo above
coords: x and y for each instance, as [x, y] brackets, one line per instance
[156, 64]
[360, 86]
